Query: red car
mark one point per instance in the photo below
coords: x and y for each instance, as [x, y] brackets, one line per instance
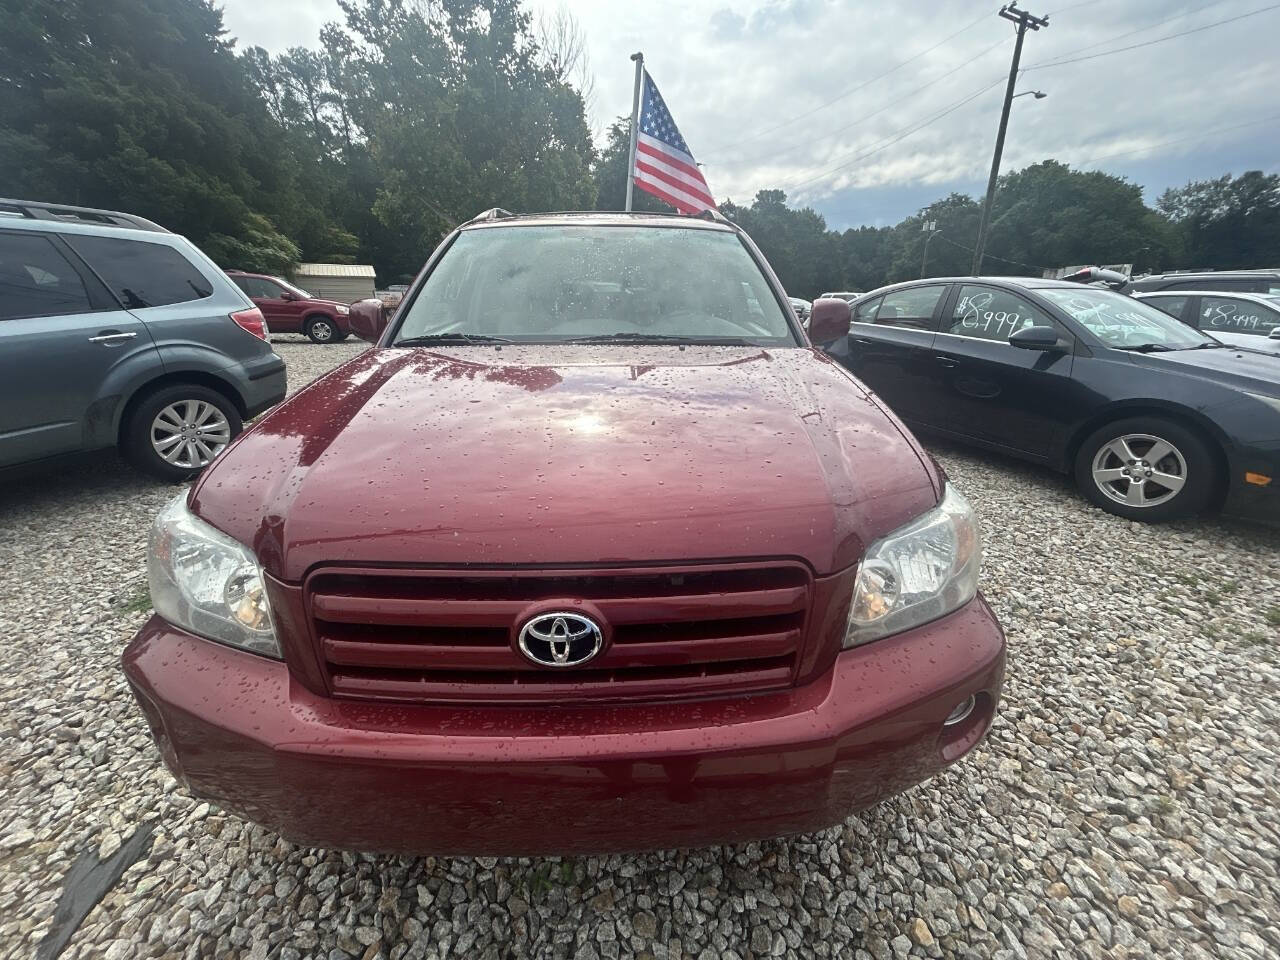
[290, 309]
[592, 552]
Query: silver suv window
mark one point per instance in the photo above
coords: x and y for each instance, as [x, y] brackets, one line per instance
[36, 280]
[142, 274]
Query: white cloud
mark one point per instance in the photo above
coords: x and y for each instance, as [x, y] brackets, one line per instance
[730, 70]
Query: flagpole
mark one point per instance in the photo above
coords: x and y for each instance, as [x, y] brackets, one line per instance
[635, 120]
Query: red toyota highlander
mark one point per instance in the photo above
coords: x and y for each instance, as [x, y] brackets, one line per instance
[592, 551]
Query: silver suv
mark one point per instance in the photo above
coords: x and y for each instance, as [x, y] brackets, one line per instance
[116, 332]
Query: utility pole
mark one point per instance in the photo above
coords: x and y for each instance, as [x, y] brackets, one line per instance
[930, 227]
[1024, 21]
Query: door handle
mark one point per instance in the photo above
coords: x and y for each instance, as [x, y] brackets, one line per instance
[860, 341]
[112, 337]
[945, 362]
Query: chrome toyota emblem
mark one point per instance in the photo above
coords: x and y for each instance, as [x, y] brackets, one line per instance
[561, 639]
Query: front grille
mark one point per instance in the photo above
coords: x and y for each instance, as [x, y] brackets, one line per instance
[444, 636]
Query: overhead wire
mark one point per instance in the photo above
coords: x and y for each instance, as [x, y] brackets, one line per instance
[852, 90]
[808, 144]
[987, 256]
[951, 108]
[1202, 135]
[1142, 29]
[895, 138]
[1149, 43]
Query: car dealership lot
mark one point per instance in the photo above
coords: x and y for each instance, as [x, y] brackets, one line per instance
[1122, 806]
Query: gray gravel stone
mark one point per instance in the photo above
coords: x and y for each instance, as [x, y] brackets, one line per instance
[1123, 804]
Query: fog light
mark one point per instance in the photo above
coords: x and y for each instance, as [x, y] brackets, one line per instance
[961, 712]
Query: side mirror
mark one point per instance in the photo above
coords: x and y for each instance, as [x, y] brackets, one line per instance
[368, 319]
[828, 320]
[286, 295]
[1036, 338]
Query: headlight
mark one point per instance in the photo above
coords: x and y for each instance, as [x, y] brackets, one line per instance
[918, 573]
[207, 583]
[343, 311]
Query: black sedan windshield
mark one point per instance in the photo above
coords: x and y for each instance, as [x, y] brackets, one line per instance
[1123, 322]
[585, 283]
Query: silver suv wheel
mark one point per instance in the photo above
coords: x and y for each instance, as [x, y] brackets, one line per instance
[1140, 470]
[189, 433]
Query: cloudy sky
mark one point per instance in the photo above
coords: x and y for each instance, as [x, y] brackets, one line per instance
[869, 110]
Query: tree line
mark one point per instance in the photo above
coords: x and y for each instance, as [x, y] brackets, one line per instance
[412, 115]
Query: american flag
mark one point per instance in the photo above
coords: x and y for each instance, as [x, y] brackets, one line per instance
[664, 166]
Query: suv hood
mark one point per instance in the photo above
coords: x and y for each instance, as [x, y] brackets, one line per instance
[570, 455]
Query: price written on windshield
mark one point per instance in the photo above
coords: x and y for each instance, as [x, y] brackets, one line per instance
[1230, 316]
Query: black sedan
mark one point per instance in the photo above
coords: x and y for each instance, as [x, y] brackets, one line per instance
[1155, 419]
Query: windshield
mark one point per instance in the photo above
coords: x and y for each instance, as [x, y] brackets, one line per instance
[1123, 322]
[295, 289]
[555, 284]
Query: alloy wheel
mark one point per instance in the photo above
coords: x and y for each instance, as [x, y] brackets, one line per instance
[190, 433]
[1139, 470]
[321, 331]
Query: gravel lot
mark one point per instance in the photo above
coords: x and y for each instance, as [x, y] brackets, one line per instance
[1124, 805]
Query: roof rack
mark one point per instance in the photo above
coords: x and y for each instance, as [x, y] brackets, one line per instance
[63, 213]
[493, 213]
[711, 213]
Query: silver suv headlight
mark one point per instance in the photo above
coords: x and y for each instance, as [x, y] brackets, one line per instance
[917, 573]
[208, 584]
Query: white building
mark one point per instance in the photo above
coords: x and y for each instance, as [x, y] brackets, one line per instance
[344, 282]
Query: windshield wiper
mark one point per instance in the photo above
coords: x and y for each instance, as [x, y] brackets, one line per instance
[1147, 348]
[450, 338]
[1211, 345]
[661, 338]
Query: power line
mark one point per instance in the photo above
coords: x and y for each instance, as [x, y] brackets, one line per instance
[1130, 33]
[901, 135]
[989, 256]
[1148, 43]
[1168, 143]
[849, 92]
[1062, 10]
[808, 144]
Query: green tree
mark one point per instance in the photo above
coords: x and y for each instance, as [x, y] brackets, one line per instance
[610, 173]
[457, 111]
[1230, 222]
[1047, 214]
[140, 105]
[805, 255]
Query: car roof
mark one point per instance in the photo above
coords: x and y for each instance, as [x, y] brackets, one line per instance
[1026, 283]
[597, 218]
[1179, 292]
[1213, 274]
[52, 214]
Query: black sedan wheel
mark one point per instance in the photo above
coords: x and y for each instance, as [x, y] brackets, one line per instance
[1146, 469]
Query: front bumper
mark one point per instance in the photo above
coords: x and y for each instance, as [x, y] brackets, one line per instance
[1253, 490]
[237, 729]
